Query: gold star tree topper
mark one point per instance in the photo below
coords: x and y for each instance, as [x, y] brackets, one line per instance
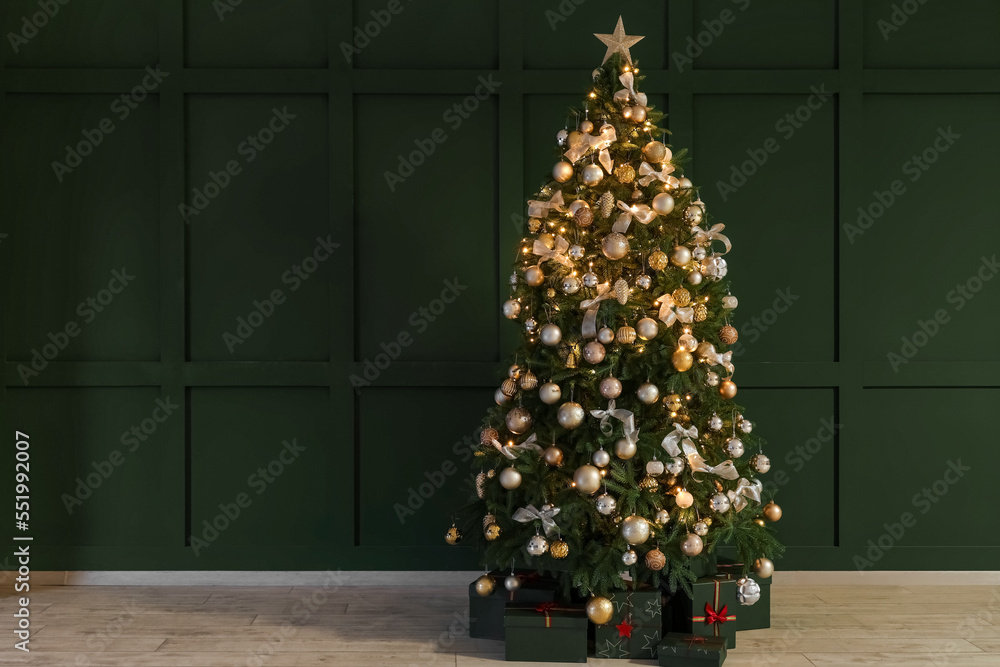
[619, 42]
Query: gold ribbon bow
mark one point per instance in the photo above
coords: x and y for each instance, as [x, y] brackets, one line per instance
[703, 237]
[531, 513]
[745, 489]
[622, 96]
[540, 209]
[725, 470]
[592, 306]
[647, 174]
[624, 416]
[679, 435]
[510, 451]
[558, 253]
[670, 313]
[600, 143]
[713, 358]
[640, 212]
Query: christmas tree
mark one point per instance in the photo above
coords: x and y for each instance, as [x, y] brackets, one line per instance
[616, 445]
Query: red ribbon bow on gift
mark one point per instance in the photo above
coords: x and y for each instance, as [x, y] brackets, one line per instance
[544, 608]
[712, 616]
[695, 640]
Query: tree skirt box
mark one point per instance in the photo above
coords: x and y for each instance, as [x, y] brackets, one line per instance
[685, 650]
[546, 633]
[753, 616]
[711, 611]
[486, 613]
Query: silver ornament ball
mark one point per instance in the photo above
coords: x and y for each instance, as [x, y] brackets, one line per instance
[643, 282]
[720, 503]
[675, 465]
[606, 335]
[512, 583]
[576, 252]
[648, 393]
[761, 463]
[747, 591]
[663, 517]
[510, 478]
[605, 504]
[629, 558]
[537, 545]
[530, 325]
[592, 175]
[601, 458]
[735, 448]
[712, 379]
[700, 529]
[746, 426]
[590, 279]
[647, 328]
[571, 284]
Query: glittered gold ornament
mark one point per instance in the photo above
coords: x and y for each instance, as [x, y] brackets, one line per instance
[625, 173]
[509, 387]
[488, 435]
[492, 532]
[700, 312]
[584, 216]
[622, 291]
[682, 360]
[599, 610]
[772, 511]
[681, 297]
[562, 171]
[626, 335]
[727, 389]
[606, 204]
[673, 402]
[655, 151]
[728, 334]
[649, 483]
[559, 549]
[658, 260]
[615, 245]
[534, 224]
[528, 381]
[655, 560]
[485, 585]
[453, 536]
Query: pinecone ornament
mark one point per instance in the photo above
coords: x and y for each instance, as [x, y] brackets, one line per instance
[481, 485]
[622, 291]
[606, 204]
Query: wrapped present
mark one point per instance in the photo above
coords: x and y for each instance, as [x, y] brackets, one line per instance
[635, 629]
[753, 595]
[686, 650]
[711, 611]
[486, 619]
[545, 633]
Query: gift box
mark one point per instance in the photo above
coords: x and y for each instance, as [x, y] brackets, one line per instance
[486, 614]
[753, 616]
[545, 633]
[635, 628]
[686, 650]
[711, 611]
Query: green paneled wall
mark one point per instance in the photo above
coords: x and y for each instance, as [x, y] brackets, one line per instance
[291, 377]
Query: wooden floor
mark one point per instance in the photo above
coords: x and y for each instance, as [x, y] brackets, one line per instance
[125, 626]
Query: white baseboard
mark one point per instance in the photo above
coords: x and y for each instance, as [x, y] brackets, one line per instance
[462, 578]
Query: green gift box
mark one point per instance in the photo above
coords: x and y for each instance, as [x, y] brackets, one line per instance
[619, 641]
[545, 633]
[644, 605]
[712, 609]
[754, 616]
[486, 620]
[685, 650]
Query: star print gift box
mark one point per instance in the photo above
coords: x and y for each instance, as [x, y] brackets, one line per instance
[683, 650]
[634, 630]
[547, 632]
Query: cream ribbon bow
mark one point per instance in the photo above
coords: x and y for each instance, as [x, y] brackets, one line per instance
[622, 96]
[600, 143]
[670, 313]
[510, 451]
[531, 513]
[624, 416]
[640, 212]
[592, 306]
[713, 358]
[558, 253]
[679, 435]
[540, 209]
[725, 470]
[703, 237]
[745, 489]
[647, 174]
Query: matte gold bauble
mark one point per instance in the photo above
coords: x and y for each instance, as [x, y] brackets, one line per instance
[728, 334]
[635, 529]
[485, 585]
[680, 256]
[625, 173]
[570, 415]
[584, 216]
[549, 393]
[684, 183]
[559, 549]
[510, 478]
[625, 449]
[638, 114]
[601, 458]
[682, 360]
[550, 335]
[655, 151]
[593, 352]
[600, 610]
[695, 277]
[673, 402]
[655, 560]
[587, 479]
[586, 126]
[518, 420]
[663, 203]
[647, 328]
[606, 335]
[625, 335]
[528, 381]
[692, 545]
[763, 567]
[534, 276]
[611, 387]
[658, 260]
[453, 536]
[772, 511]
[509, 387]
[615, 245]
[592, 175]
[492, 532]
[727, 389]
[563, 171]
[553, 456]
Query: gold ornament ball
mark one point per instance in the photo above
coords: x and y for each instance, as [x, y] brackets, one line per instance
[514, 372]
[548, 240]
[570, 415]
[511, 309]
[575, 139]
[687, 342]
[681, 297]
[586, 127]
[760, 522]
[563, 171]
[592, 175]
[663, 203]
[587, 479]
[500, 397]
[684, 183]
[624, 449]
[700, 312]
[553, 456]
[510, 479]
[684, 499]
[534, 276]
[485, 585]
[655, 560]
[693, 214]
[611, 387]
[593, 352]
[638, 114]
[649, 483]
[680, 256]
[509, 387]
[728, 334]
[559, 549]
[772, 511]
[763, 567]
[700, 529]
[625, 173]
[663, 517]
[682, 360]
[490, 474]
[528, 381]
[626, 335]
[695, 277]
[655, 151]
[673, 402]
[550, 334]
[599, 610]
[453, 536]
[550, 393]
[647, 328]
[658, 260]
[627, 113]
[584, 216]
[488, 435]
[727, 389]
[615, 245]
[635, 529]
[692, 545]
[534, 224]
[492, 532]
[518, 420]
[606, 335]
